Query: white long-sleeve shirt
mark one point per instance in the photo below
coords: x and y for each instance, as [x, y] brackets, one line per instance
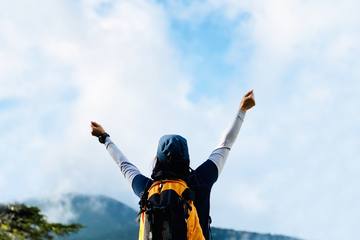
[218, 156]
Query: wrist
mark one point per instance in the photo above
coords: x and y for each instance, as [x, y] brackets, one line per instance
[241, 114]
[103, 137]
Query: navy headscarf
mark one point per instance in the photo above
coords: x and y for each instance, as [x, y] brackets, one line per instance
[172, 158]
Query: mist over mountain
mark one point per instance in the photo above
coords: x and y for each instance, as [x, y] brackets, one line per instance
[105, 218]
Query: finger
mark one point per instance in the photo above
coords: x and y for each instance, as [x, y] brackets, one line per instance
[95, 124]
[253, 102]
[249, 97]
[250, 101]
[249, 93]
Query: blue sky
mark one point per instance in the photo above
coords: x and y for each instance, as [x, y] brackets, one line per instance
[148, 68]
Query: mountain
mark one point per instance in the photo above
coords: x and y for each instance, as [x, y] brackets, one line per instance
[105, 218]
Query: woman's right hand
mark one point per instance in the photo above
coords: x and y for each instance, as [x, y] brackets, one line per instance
[248, 101]
[96, 129]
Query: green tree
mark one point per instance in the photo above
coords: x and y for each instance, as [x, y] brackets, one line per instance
[21, 222]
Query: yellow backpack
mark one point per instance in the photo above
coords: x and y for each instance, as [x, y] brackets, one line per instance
[167, 212]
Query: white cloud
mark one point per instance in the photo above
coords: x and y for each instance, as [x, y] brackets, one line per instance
[125, 73]
[59, 209]
[297, 148]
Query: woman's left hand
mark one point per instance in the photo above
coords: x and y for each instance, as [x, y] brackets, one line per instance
[96, 129]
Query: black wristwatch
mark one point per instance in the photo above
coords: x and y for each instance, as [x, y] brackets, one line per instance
[103, 137]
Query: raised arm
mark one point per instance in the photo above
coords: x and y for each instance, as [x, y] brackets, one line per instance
[129, 170]
[221, 152]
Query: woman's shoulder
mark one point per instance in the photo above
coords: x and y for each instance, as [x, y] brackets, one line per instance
[204, 176]
[140, 183]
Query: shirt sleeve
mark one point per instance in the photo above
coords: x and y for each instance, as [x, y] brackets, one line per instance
[221, 152]
[206, 174]
[129, 170]
[140, 183]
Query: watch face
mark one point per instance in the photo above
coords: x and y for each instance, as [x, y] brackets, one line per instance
[103, 137]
